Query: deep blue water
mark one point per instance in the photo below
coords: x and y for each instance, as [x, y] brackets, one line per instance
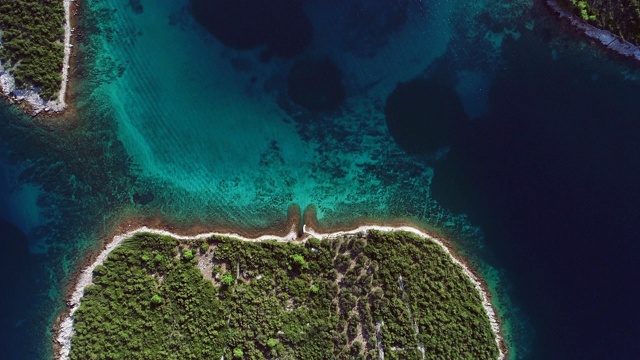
[551, 175]
[16, 270]
[180, 117]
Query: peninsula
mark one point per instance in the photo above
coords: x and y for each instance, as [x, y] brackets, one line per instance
[615, 25]
[372, 292]
[35, 48]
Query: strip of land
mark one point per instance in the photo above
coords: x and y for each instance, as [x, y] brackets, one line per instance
[65, 330]
[33, 99]
[488, 308]
[606, 38]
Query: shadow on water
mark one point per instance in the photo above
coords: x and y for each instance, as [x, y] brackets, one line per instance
[281, 25]
[424, 115]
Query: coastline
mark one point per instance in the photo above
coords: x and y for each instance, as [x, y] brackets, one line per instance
[480, 287]
[63, 329]
[604, 37]
[34, 103]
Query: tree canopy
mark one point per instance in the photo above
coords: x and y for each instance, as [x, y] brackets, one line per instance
[619, 17]
[342, 298]
[32, 46]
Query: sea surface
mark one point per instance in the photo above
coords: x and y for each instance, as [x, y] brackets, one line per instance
[524, 153]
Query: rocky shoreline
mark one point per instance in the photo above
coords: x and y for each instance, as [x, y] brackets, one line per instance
[34, 103]
[604, 37]
[64, 329]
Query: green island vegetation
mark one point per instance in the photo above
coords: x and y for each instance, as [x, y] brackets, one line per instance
[621, 18]
[32, 43]
[158, 298]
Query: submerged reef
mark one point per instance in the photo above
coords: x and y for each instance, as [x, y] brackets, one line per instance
[316, 84]
[136, 6]
[361, 295]
[281, 25]
[424, 115]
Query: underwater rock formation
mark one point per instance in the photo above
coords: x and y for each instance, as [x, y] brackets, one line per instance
[316, 84]
[424, 115]
[281, 25]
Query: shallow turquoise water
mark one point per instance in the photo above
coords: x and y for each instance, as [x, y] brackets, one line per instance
[192, 120]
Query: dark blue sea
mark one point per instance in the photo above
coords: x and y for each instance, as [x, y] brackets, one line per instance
[489, 123]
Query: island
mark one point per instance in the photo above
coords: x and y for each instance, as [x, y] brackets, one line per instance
[615, 25]
[372, 292]
[35, 49]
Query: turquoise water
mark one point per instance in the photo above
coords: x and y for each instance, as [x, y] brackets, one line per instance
[191, 118]
[210, 126]
[172, 122]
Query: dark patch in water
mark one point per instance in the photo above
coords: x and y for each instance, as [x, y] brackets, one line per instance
[136, 6]
[372, 22]
[424, 115]
[487, 20]
[181, 17]
[266, 55]
[16, 291]
[551, 174]
[281, 25]
[272, 155]
[144, 198]
[316, 85]
[241, 65]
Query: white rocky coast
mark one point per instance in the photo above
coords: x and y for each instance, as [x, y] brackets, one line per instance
[606, 38]
[30, 95]
[65, 329]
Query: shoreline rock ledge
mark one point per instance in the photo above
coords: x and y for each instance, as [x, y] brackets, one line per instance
[604, 37]
[30, 95]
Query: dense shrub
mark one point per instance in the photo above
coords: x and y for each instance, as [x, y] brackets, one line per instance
[280, 308]
[619, 17]
[32, 43]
